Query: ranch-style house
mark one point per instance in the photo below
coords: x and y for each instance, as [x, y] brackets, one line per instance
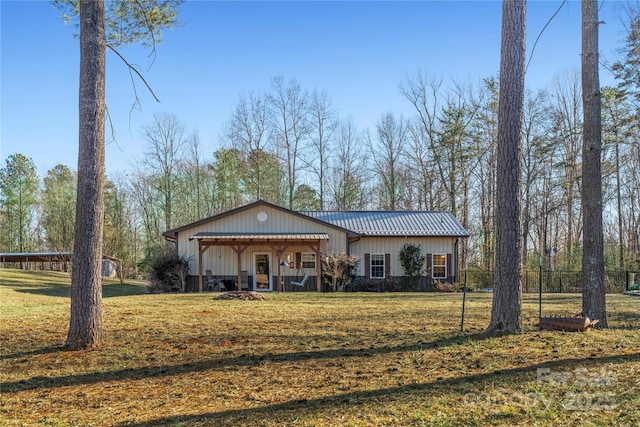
[266, 247]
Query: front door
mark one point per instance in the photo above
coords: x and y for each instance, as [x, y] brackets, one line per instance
[261, 271]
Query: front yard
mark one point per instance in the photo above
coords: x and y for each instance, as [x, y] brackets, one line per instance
[311, 359]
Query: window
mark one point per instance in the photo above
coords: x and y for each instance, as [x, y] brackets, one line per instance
[377, 266]
[308, 260]
[439, 266]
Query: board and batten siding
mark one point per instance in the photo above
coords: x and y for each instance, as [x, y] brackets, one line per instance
[393, 246]
[222, 260]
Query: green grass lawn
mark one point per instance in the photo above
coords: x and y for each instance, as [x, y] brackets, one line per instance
[309, 359]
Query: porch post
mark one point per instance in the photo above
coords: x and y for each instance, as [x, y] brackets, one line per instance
[200, 265]
[279, 250]
[238, 250]
[318, 268]
[239, 270]
[279, 279]
[315, 247]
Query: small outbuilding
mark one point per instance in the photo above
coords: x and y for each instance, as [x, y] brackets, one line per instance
[266, 247]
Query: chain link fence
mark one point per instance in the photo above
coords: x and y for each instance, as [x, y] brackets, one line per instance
[555, 281]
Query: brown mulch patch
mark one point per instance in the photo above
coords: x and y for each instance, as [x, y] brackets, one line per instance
[244, 295]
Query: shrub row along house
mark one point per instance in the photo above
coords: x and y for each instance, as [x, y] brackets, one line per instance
[266, 247]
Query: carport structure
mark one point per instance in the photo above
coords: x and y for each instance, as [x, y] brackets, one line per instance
[42, 257]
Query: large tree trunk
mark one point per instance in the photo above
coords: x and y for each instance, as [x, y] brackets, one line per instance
[85, 324]
[593, 286]
[505, 311]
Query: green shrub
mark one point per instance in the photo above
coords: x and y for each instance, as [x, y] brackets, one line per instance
[378, 285]
[168, 272]
[412, 262]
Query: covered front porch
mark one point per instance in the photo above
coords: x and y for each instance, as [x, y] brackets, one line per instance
[257, 257]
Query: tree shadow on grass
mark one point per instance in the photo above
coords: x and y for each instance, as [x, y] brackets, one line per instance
[37, 352]
[47, 290]
[290, 408]
[158, 371]
[108, 290]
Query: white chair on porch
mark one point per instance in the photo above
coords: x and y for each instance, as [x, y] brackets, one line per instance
[213, 284]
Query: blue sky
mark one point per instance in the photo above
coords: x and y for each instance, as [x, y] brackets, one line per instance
[358, 52]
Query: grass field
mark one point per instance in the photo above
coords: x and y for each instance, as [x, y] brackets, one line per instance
[309, 359]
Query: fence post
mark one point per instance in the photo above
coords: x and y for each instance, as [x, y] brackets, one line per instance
[464, 296]
[540, 290]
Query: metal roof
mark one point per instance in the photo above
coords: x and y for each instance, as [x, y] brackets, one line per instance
[261, 236]
[172, 234]
[394, 223]
[354, 223]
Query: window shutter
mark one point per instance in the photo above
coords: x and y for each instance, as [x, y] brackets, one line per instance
[298, 260]
[429, 264]
[367, 266]
[387, 266]
[449, 265]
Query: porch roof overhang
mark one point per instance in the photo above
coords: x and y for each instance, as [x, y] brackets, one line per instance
[239, 242]
[258, 237]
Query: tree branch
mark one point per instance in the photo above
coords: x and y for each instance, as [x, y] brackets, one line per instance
[132, 68]
[150, 27]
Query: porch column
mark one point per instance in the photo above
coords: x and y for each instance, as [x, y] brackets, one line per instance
[201, 250]
[239, 249]
[279, 285]
[316, 249]
[318, 269]
[279, 250]
[239, 268]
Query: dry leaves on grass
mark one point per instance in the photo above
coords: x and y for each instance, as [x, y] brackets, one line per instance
[313, 359]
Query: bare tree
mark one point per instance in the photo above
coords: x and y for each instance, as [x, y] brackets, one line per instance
[119, 237]
[229, 173]
[248, 133]
[166, 143]
[423, 92]
[386, 154]
[482, 173]
[538, 155]
[290, 107]
[338, 270]
[627, 72]
[505, 310]
[193, 175]
[452, 149]
[615, 128]
[567, 117]
[141, 189]
[130, 226]
[422, 176]
[322, 127]
[593, 285]
[348, 189]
